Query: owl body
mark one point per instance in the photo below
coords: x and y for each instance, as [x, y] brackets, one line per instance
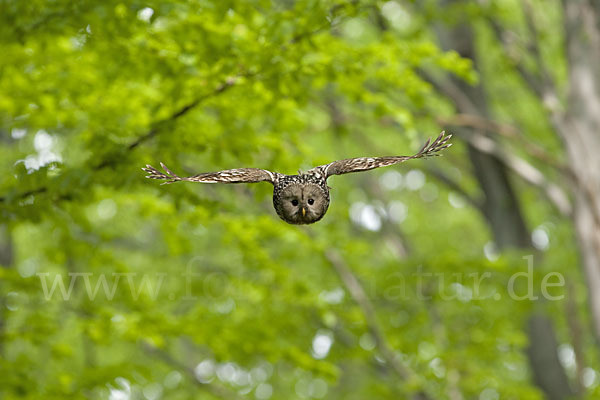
[303, 198]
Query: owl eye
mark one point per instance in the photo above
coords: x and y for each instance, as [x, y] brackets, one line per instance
[294, 202]
[311, 201]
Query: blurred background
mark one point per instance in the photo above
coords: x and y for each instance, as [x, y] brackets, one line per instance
[469, 276]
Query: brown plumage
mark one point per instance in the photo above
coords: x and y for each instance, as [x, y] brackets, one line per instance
[303, 198]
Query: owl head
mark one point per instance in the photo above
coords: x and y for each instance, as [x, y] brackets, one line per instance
[302, 204]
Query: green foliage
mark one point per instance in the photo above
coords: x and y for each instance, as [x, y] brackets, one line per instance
[214, 296]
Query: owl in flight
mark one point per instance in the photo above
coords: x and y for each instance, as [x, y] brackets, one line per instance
[303, 198]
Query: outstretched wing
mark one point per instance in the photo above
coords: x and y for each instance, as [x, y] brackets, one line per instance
[348, 165]
[238, 175]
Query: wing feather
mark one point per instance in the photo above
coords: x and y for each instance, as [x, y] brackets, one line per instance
[238, 175]
[430, 149]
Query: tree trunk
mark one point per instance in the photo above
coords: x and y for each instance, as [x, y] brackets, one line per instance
[580, 129]
[503, 213]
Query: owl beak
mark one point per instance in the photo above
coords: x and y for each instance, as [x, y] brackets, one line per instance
[303, 212]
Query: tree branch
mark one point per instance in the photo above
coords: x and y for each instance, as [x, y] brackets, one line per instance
[502, 36]
[158, 126]
[441, 334]
[508, 131]
[449, 89]
[229, 82]
[534, 47]
[523, 169]
[27, 193]
[360, 297]
[542, 86]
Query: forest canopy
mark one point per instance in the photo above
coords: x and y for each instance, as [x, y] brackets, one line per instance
[472, 275]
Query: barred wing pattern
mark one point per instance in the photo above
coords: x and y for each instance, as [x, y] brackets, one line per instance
[238, 175]
[430, 149]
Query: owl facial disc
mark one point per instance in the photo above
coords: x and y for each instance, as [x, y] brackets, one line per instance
[301, 204]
